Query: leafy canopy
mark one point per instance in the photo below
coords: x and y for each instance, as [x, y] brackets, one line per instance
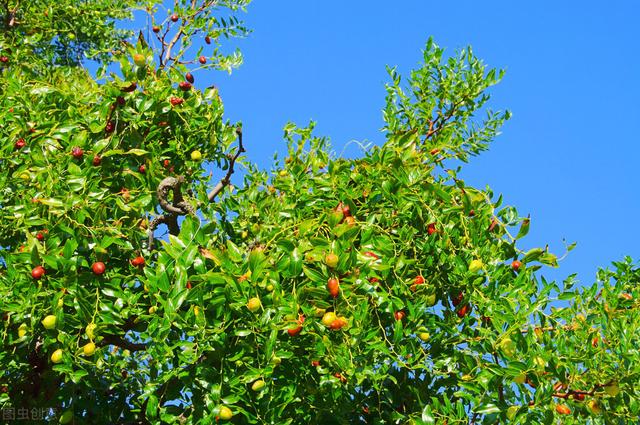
[137, 288]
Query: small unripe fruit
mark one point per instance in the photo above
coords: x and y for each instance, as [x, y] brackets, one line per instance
[511, 412]
[153, 309]
[98, 268]
[329, 318]
[475, 265]
[508, 347]
[540, 362]
[49, 322]
[424, 336]
[258, 385]
[196, 155]
[520, 379]
[225, 413]
[331, 260]
[56, 357]
[254, 304]
[202, 60]
[594, 407]
[139, 59]
[90, 330]
[612, 389]
[88, 349]
[22, 330]
[37, 272]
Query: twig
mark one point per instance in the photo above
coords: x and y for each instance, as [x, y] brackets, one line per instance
[232, 161]
[122, 343]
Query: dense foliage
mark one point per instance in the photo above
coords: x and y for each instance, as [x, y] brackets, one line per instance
[137, 288]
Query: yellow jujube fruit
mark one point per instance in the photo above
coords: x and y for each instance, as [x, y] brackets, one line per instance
[258, 385]
[475, 265]
[540, 362]
[225, 413]
[512, 411]
[89, 330]
[139, 59]
[22, 330]
[612, 389]
[196, 156]
[520, 379]
[508, 347]
[328, 318]
[594, 407]
[89, 349]
[331, 260]
[49, 322]
[424, 336]
[254, 304]
[56, 357]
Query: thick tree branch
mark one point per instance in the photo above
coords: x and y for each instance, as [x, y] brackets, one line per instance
[232, 161]
[178, 206]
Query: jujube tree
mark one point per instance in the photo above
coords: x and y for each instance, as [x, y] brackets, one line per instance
[139, 285]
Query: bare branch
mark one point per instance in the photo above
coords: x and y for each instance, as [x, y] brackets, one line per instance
[232, 161]
[173, 209]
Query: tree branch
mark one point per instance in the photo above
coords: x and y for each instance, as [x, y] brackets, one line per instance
[122, 343]
[232, 161]
[177, 207]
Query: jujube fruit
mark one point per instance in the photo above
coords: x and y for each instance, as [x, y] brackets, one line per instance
[98, 268]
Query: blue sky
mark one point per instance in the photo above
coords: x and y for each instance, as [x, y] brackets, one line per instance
[567, 156]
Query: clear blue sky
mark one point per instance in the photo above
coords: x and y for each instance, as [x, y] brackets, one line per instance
[570, 154]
